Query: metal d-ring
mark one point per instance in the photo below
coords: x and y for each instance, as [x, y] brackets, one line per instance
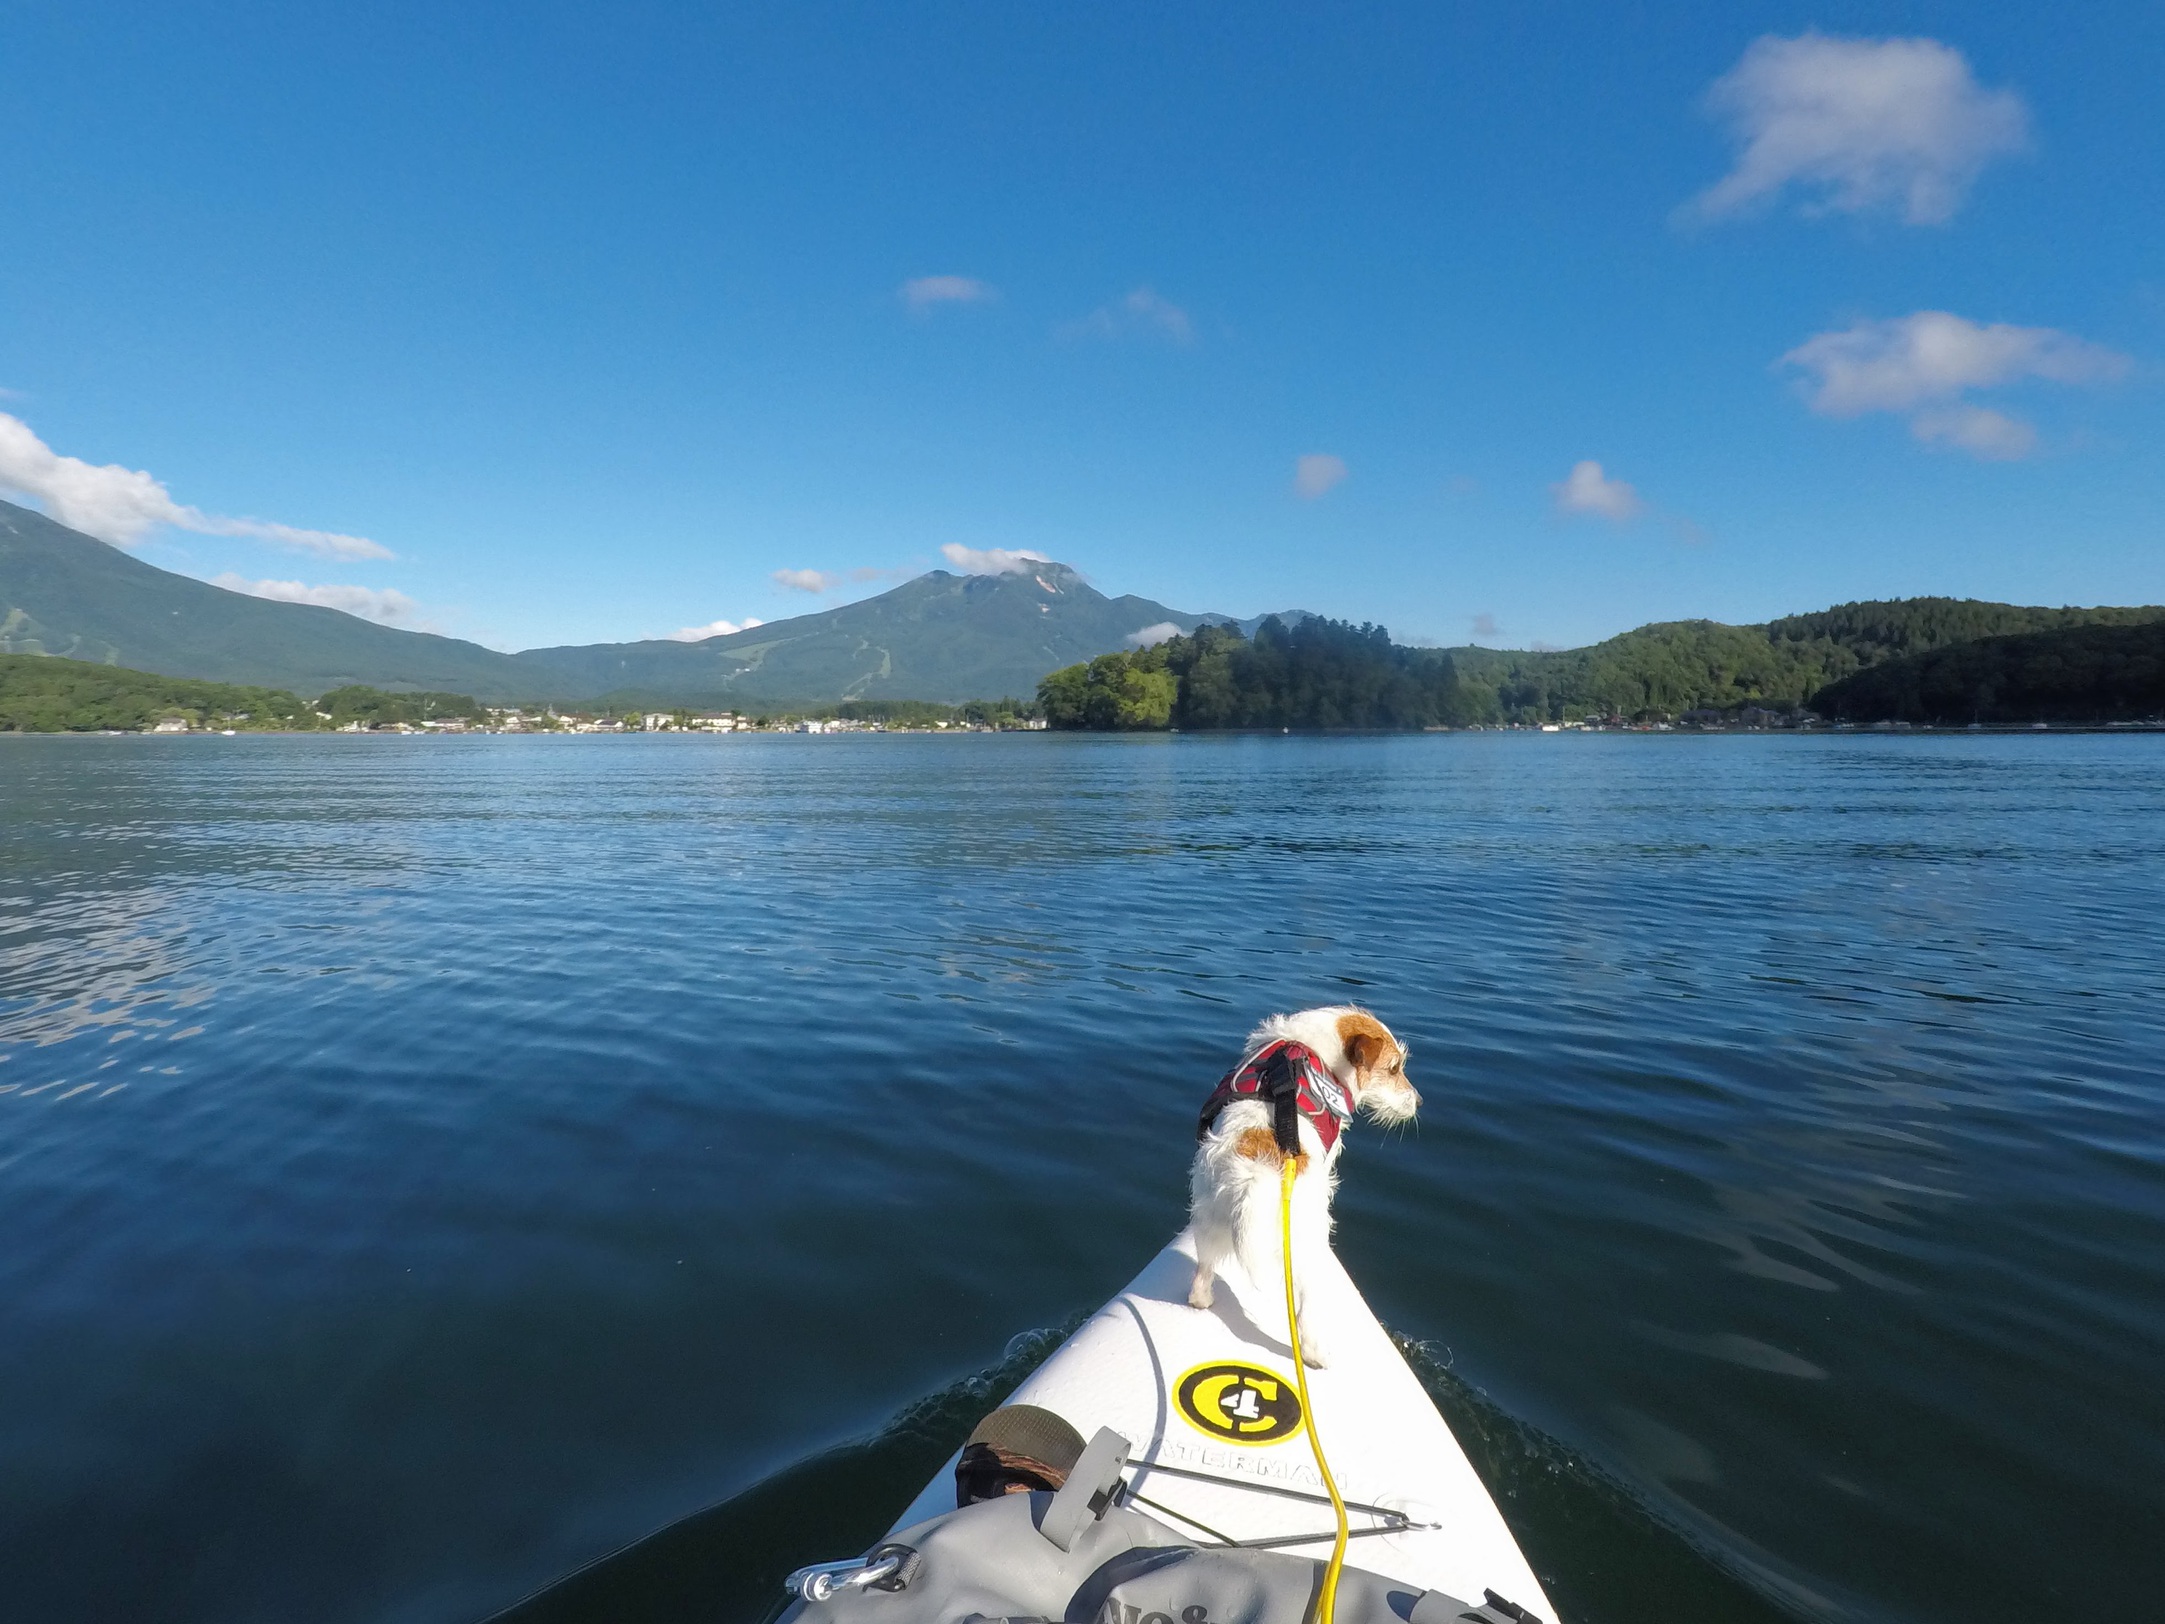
[823, 1581]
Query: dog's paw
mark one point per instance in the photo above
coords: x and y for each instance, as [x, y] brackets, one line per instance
[1202, 1293]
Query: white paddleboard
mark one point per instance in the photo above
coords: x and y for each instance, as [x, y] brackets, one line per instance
[1212, 1392]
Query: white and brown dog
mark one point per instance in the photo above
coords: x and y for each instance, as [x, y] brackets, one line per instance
[1301, 1078]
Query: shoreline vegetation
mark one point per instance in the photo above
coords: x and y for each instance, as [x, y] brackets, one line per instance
[47, 694]
[1923, 662]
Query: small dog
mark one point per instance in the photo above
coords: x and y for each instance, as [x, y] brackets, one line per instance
[1234, 1184]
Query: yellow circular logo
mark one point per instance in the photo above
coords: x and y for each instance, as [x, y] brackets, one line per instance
[1239, 1403]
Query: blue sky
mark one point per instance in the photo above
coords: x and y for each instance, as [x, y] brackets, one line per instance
[595, 319]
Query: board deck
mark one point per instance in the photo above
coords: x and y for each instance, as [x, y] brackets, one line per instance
[1212, 1391]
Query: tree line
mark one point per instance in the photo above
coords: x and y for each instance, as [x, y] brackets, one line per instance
[1314, 674]
[1665, 669]
[2095, 673]
[44, 694]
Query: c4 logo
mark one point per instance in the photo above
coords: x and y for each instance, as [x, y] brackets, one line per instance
[1240, 1404]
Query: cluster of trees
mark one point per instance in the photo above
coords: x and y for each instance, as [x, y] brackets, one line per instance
[1317, 674]
[2078, 673]
[925, 712]
[1675, 666]
[42, 694]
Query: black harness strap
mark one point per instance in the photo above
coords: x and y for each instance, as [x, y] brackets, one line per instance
[1278, 1085]
[1281, 1089]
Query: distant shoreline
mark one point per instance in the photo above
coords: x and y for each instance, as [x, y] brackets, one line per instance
[1971, 731]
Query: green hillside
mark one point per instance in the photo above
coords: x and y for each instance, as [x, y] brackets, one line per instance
[1675, 666]
[2079, 673]
[65, 593]
[39, 694]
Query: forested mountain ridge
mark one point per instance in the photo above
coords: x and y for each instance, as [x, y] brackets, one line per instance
[1676, 666]
[938, 637]
[1849, 662]
[2074, 673]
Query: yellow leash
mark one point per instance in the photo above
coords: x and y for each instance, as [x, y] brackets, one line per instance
[1327, 1598]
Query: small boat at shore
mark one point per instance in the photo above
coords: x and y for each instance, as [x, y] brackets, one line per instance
[1161, 1465]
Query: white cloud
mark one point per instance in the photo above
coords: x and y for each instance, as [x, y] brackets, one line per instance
[1143, 311]
[1316, 473]
[381, 604]
[323, 543]
[814, 581]
[992, 560]
[1151, 636]
[713, 628]
[123, 505]
[1863, 124]
[921, 293]
[1586, 489]
[1926, 364]
[1979, 430]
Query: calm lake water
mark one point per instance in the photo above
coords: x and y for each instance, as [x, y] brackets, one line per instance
[428, 1164]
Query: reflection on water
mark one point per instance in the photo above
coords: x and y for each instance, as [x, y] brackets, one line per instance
[430, 1164]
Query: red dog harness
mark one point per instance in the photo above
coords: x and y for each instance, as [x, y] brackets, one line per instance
[1293, 1081]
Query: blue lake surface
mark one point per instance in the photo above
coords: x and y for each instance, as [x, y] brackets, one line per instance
[428, 1164]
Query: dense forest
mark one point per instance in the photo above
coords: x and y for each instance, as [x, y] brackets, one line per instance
[926, 713]
[42, 694]
[1676, 666]
[1316, 674]
[2076, 673]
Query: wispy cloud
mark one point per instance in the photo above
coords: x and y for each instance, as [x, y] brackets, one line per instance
[713, 628]
[1143, 311]
[123, 505]
[1484, 625]
[1316, 473]
[1151, 636]
[1858, 125]
[923, 293]
[383, 605]
[1926, 365]
[813, 581]
[1586, 490]
[992, 560]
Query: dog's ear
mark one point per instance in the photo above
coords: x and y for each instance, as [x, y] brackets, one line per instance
[1368, 1042]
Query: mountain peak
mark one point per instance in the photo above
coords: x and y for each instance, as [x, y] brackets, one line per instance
[941, 636]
